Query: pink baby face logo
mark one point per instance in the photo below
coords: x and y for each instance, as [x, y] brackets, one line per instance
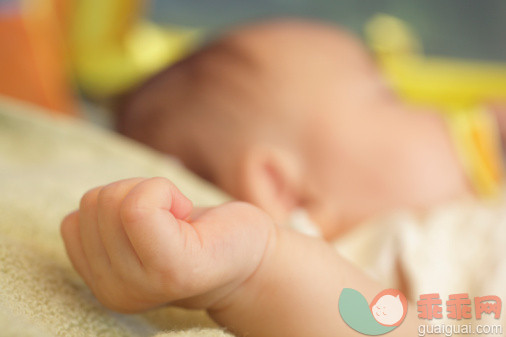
[382, 315]
[389, 307]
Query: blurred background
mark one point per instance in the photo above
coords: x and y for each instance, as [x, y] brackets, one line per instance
[459, 28]
[74, 56]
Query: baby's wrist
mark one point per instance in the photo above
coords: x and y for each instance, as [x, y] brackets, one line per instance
[242, 254]
[249, 286]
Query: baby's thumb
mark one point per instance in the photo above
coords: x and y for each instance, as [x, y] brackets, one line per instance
[151, 215]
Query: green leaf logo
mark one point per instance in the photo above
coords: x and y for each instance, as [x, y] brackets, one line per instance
[385, 313]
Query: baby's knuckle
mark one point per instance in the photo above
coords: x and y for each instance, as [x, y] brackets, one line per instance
[132, 212]
[163, 183]
[160, 180]
[109, 194]
[88, 200]
[68, 226]
[156, 182]
[69, 220]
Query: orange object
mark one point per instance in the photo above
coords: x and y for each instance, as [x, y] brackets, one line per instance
[32, 58]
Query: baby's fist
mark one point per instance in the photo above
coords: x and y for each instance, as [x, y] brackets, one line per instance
[136, 246]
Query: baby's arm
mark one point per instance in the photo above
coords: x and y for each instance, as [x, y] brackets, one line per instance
[137, 247]
[296, 291]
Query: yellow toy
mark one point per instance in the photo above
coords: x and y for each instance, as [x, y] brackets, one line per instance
[113, 47]
[458, 88]
[446, 82]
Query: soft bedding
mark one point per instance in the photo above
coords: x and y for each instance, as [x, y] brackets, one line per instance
[47, 163]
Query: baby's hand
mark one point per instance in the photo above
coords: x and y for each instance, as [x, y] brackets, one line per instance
[138, 245]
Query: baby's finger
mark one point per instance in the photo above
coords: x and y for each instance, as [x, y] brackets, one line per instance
[149, 215]
[72, 240]
[90, 236]
[123, 257]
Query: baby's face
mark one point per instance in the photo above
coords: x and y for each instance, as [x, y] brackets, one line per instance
[353, 143]
[388, 310]
[365, 152]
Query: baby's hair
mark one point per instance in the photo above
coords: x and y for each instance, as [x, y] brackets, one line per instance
[206, 108]
[191, 109]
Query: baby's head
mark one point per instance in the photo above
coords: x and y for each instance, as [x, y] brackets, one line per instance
[286, 115]
[389, 307]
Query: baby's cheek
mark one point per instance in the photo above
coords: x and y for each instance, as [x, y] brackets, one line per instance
[377, 312]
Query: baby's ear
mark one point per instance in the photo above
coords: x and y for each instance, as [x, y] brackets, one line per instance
[270, 178]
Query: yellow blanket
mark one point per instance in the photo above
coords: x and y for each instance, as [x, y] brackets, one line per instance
[46, 164]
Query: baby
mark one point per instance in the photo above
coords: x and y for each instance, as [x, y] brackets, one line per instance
[285, 115]
[139, 244]
[294, 115]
